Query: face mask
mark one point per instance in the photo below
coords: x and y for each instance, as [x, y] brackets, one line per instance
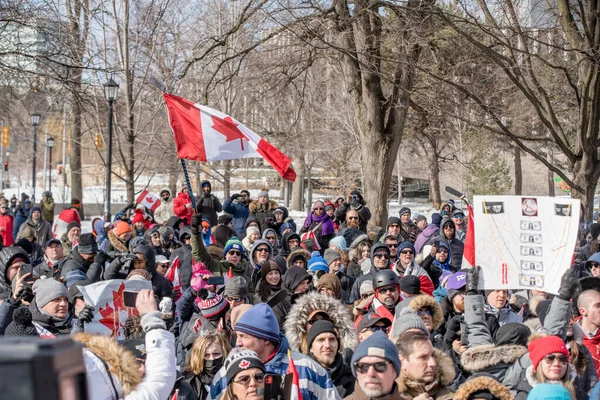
[211, 367]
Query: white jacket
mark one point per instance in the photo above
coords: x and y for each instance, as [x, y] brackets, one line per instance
[164, 211]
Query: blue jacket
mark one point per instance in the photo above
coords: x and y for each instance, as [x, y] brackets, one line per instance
[21, 217]
[314, 382]
[240, 213]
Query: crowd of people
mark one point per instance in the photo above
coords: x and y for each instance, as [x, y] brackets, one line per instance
[355, 311]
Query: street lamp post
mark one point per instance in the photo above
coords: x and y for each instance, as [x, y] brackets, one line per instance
[50, 145]
[111, 89]
[35, 121]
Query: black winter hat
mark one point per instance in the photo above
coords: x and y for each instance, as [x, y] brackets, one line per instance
[393, 221]
[224, 219]
[321, 326]
[87, 244]
[22, 324]
[25, 245]
[404, 210]
[410, 284]
[512, 333]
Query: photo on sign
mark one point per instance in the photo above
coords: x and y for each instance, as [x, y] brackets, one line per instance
[493, 207]
[529, 207]
[531, 238]
[530, 280]
[531, 251]
[562, 210]
[531, 225]
[532, 265]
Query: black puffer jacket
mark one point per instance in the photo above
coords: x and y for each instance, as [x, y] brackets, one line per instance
[47, 322]
[7, 256]
[92, 270]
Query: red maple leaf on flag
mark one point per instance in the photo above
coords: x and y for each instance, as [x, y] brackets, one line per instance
[111, 315]
[229, 129]
[149, 199]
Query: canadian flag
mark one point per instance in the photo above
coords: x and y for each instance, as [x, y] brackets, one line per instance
[148, 200]
[172, 275]
[469, 251]
[204, 134]
[291, 369]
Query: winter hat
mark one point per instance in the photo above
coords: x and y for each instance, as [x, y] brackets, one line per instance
[331, 255]
[121, 227]
[205, 183]
[139, 217]
[406, 245]
[482, 386]
[269, 266]
[436, 219]
[25, 244]
[317, 263]
[238, 311]
[87, 244]
[21, 324]
[549, 391]
[139, 275]
[404, 210]
[75, 202]
[340, 243]
[287, 225]
[329, 206]
[240, 360]
[393, 221]
[46, 290]
[74, 276]
[420, 218]
[264, 193]
[236, 286]
[260, 322]
[36, 208]
[410, 284]
[539, 348]
[366, 287]
[512, 333]
[165, 190]
[74, 224]
[224, 219]
[317, 202]
[407, 319]
[322, 326]
[252, 229]
[234, 243]
[457, 281]
[595, 230]
[377, 345]
[212, 305]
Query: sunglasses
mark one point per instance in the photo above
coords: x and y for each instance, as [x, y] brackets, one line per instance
[363, 368]
[270, 237]
[392, 245]
[366, 295]
[263, 250]
[351, 218]
[562, 359]
[234, 253]
[380, 255]
[442, 250]
[376, 328]
[235, 299]
[459, 217]
[422, 313]
[595, 265]
[244, 380]
[318, 208]
[407, 252]
[389, 289]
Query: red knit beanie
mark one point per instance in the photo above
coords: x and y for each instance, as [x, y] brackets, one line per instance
[138, 217]
[540, 348]
[121, 228]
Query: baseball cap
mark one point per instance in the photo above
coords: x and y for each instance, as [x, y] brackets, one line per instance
[370, 319]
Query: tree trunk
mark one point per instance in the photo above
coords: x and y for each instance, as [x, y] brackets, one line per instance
[75, 157]
[434, 181]
[298, 186]
[551, 190]
[226, 178]
[588, 182]
[518, 171]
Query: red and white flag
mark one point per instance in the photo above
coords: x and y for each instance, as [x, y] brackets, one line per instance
[148, 200]
[172, 275]
[291, 369]
[204, 134]
[469, 251]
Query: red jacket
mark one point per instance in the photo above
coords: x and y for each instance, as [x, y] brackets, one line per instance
[593, 345]
[179, 207]
[6, 228]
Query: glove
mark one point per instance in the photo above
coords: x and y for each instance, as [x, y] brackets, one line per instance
[100, 258]
[235, 196]
[128, 257]
[85, 316]
[568, 285]
[166, 305]
[453, 328]
[203, 293]
[196, 223]
[473, 280]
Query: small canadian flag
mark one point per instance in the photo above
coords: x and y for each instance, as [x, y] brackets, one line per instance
[172, 275]
[148, 200]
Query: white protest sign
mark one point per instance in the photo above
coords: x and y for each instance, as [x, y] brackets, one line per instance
[107, 297]
[524, 242]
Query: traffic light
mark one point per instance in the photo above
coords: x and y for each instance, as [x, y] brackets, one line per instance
[99, 141]
[5, 134]
[5, 166]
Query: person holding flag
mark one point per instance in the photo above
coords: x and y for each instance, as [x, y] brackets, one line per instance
[258, 330]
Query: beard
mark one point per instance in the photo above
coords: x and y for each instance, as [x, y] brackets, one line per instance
[389, 302]
[372, 391]
[261, 259]
[353, 223]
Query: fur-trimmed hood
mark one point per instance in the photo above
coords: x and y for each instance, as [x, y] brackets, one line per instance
[121, 363]
[116, 243]
[295, 323]
[255, 206]
[419, 302]
[444, 375]
[479, 358]
[298, 252]
[480, 383]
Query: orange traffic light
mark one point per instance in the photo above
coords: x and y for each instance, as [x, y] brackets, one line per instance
[99, 141]
[5, 136]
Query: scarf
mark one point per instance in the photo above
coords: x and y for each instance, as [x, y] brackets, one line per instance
[443, 266]
[327, 227]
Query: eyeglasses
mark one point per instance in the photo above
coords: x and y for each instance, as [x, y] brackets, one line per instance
[376, 328]
[422, 313]
[244, 380]
[235, 299]
[351, 218]
[392, 245]
[380, 255]
[407, 252]
[363, 368]
[562, 359]
[263, 250]
[234, 253]
[366, 295]
[318, 208]
[388, 289]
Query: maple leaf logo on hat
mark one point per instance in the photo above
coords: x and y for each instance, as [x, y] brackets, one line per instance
[244, 364]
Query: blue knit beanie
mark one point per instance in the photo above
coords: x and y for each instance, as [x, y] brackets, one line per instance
[406, 245]
[36, 208]
[260, 322]
[340, 242]
[377, 345]
[436, 219]
[234, 243]
[317, 263]
[549, 391]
